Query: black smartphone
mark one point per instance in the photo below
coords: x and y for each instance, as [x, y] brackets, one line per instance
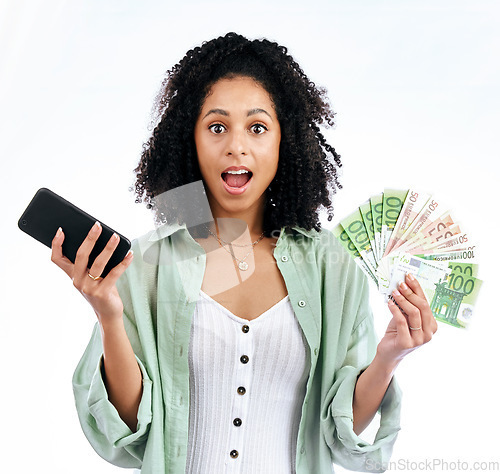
[47, 212]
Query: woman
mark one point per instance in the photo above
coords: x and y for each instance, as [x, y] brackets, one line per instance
[243, 343]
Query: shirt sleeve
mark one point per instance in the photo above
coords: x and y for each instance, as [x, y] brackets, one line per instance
[108, 434]
[348, 449]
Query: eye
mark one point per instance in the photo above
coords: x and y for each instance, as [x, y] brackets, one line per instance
[258, 128]
[217, 128]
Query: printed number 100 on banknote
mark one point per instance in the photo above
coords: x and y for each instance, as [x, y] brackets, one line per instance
[451, 290]
[407, 231]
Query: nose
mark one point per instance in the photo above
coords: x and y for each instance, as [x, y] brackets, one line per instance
[237, 144]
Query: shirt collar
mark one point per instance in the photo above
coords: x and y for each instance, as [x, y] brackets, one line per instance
[165, 230]
[168, 229]
[308, 233]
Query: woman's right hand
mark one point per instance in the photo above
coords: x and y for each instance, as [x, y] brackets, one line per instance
[102, 293]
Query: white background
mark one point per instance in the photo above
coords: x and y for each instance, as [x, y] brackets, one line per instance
[416, 89]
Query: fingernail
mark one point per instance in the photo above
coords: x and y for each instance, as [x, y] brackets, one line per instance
[410, 277]
[403, 285]
[96, 225]
[390, 303]
[129, 253]
[59, 231]
[396, 293]
[114, 236]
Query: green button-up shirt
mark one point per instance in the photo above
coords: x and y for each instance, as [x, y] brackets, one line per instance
[329, 295]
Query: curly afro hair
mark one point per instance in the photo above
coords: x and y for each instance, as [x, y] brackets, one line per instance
[307, 169]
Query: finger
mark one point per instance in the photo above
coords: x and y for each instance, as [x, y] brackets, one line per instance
[117, 271]
[103, 258]
[411, 311]
[414, 285]
[414, 298]
[83, 252]
[401, 322]
[428, 319]
[57, 256]
[421, 303]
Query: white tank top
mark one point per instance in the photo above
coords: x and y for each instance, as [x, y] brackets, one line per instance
[247, 384]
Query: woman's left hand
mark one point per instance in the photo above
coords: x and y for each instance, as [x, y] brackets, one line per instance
[410, 330]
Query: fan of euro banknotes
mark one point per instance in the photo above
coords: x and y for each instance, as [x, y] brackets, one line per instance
[406, 231]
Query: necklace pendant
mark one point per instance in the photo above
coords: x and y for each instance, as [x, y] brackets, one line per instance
[243, 266]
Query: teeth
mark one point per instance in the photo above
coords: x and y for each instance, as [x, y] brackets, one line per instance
[237, 172]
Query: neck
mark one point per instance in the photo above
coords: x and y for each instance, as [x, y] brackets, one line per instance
[231, 224]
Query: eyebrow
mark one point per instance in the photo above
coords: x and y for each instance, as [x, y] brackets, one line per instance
[226, 114]
[258, 111]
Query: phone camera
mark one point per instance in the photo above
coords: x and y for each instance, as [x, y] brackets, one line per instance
[24, 222]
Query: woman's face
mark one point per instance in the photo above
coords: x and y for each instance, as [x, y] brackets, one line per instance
[238, 132]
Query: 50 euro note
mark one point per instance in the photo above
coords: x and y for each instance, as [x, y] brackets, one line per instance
[442, 222]
[455, 242]
[431, 232]
[414, 203]
[416, 245]
[429, 213]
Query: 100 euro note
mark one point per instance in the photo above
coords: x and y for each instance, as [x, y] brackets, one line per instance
[398, 224]
[339, 232]
[427, 272]
[451, 289]
[468, 254]
[393, 200]
[354, 227]
[366, 213]
[376, 205]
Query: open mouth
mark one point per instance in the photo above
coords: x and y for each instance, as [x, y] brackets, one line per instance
[237, 179]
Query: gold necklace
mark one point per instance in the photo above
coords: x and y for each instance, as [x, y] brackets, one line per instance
[242, 265]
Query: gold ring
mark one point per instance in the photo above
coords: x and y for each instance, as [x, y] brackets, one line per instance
[415, 329]
[93, 277]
